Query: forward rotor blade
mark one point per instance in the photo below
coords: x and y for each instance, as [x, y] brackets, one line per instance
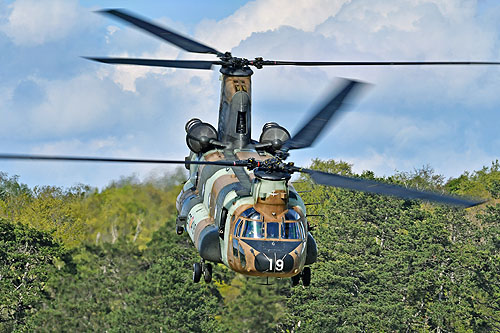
[192, 64]
[306, 136]
[178, 40]
[369, 63]
[371, 186]
[242, 163]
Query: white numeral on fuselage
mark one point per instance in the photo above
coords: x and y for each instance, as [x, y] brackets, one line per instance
[279, 265]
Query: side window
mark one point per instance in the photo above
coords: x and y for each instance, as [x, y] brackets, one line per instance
[222, 222]
[292, 230]
[302, 231]
[242, 257]
[236, 228]
[248, 231]
[292, 215]
[235, 248]
[238, 231]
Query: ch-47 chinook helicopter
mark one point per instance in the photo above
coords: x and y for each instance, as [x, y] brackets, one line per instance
[238, 205]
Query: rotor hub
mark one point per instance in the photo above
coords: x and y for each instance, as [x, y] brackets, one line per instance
[273, 175]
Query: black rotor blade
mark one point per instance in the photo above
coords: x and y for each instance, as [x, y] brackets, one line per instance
[241, 163]
[371, 186]
[306, 136]
[192, 64]
[178, 40]
[369, 63]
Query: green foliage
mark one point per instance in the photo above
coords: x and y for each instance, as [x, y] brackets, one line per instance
[384, 264]
[47, 208]
[116, 287]
[128, 211]
[422, 179]
[251, 306]
[28, 259]
[332, 166]
[395, 265]
[10, 187]
[484, 183]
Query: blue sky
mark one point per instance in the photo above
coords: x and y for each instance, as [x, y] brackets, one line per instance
[54, 102]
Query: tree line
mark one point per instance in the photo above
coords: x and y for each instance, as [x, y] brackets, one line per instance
[82, 259]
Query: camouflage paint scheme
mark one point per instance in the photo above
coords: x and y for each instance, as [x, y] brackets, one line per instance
[215, 197]
[204, 201]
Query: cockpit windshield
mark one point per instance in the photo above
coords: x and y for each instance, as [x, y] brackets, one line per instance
[253, 229]
[291, 230]
[292, 215]
[251, 213]
[273, 230]
[251, 225]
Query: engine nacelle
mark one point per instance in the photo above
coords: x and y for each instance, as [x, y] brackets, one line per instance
[274, 136]
[200, 136]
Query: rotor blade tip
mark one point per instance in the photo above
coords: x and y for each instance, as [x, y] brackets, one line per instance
[92, 58]
[102, 11]
[114, 12]
[476, 203]
[107, 10]
[355, 82]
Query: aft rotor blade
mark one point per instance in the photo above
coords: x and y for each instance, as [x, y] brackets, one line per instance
[192, 64]
[368, 63]
[170, 36]
[306, 136]
[241, 163]
[371, 186]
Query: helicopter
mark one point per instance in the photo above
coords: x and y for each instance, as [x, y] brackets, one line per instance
[239, 206]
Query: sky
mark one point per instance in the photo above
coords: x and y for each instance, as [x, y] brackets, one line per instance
[52, 101]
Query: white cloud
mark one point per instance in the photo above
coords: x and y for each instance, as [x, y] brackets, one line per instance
[259, 16]
[130, 40]
[73, 106]
[34, 22]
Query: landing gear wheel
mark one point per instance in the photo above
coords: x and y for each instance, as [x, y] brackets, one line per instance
[196, 272]
[306, 276]
[295, 280]
[179, 230]
[207, 273]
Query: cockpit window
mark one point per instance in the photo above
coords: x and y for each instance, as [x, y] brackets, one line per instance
[253, 229]
[290, 230]
[237, 227]
[251, 225]
[247, 212]
[251, 213]
[273, 230]
[292, 215]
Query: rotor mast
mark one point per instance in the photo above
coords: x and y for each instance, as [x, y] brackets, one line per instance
[235, 121]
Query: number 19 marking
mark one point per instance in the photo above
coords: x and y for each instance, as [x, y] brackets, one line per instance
[279, 265]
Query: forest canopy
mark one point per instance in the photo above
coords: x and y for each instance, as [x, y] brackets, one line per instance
[83, 259]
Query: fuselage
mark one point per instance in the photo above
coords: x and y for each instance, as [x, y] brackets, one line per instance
[254, 226]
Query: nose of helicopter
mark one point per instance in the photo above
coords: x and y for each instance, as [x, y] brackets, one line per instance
[274, 256]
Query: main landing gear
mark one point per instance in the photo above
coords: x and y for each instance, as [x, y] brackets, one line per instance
[202, 268]
[179, 230]
[305, 275]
